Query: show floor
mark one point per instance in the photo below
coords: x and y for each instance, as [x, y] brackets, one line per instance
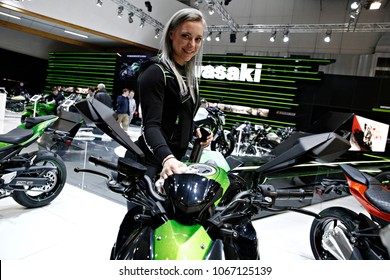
[81, 225]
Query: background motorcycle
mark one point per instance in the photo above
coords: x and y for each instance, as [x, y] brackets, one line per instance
[342, 234]
[35, 178]
[213, 118]
[203, 213]
[39, 105]
[17, 103]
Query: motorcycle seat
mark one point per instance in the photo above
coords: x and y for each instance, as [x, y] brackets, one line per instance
[31, 122]
[16, 136]
[378, 196]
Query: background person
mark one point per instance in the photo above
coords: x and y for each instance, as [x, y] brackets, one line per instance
[132, 106]
[103, 96]
[123, 109]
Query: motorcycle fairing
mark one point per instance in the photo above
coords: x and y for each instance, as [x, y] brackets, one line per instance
[138, 246]
[174, 241]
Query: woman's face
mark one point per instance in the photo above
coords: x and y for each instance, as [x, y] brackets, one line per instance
[186, 40]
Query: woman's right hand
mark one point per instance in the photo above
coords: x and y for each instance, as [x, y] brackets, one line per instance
[172, 166]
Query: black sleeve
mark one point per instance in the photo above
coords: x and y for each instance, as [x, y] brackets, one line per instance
[151, 89]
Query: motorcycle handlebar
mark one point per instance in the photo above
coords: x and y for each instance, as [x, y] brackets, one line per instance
[104, 163]
[285, 194]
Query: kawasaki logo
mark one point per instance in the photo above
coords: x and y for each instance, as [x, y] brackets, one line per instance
[243, 74]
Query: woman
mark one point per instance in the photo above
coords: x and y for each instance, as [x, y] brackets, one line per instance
[168, 89]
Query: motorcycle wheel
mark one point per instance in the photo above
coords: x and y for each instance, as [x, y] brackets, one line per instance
[331, 218]
[41, 196]
[225, 148]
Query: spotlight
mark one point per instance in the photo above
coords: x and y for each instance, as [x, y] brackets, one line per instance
[233, 37]
[120, 11]
[142, 23]
[211, 9]
[131, 14]
[157, 34]
[355, 5]
[218, 36]
[99, 3]
[273, 36]
[208, 38]
[327, 36]
[375, 5]
[245, 38]
[285, 36]
[148, 6]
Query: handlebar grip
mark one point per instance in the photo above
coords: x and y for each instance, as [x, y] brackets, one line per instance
[104, 163]
[285, 194]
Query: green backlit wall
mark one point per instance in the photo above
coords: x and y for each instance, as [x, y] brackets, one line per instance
[81, 69]
[278, 89]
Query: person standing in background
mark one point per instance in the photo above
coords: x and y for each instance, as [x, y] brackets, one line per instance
[132, 106]
[90, 92]
[123, 109]
[102, 95]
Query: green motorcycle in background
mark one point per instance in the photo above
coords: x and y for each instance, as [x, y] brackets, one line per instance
[32, 179]
[39, 105]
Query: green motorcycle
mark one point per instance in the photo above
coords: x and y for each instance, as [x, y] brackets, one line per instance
[32, 179]
[39, 105]
[205, 212]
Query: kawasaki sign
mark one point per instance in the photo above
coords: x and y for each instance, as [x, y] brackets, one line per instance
[242, 74]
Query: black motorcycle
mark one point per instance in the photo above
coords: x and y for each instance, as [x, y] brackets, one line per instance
[213, 118]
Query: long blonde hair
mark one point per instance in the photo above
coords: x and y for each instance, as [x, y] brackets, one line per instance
[166, 50]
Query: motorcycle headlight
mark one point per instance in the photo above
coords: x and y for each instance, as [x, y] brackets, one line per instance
[191, 193]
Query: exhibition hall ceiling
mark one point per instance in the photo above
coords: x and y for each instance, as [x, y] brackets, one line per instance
[37, 27]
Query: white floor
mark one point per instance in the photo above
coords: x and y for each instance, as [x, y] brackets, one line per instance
[79, 225]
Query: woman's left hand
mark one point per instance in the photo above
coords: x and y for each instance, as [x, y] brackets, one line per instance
[208, 140]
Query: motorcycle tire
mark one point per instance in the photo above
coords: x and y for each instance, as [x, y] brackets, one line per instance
[224, 148]
[331, 218]
[57, 178]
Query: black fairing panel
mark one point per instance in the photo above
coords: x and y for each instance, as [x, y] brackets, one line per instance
[139, 246]
[216, 251]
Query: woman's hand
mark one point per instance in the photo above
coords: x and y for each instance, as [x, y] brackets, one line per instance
[208, 139]
[172, 166]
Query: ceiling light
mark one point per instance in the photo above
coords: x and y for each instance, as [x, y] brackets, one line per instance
[76, 34]
[131, 14]
[99, 3]
[355, 5]
[285, 36]
[273, 36]
[327, 36]
[208, 38]
[157, 33]
[8, 15]
[148, 6]
[233, 37]
[142, 23]
[375, 5]
[120, 11]
[218, 36]
[211, 9]
[245, 38]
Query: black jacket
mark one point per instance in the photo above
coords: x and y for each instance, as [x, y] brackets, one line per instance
[167, 115]
[104, 97]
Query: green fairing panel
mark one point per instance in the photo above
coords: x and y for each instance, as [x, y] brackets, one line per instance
[174, 241]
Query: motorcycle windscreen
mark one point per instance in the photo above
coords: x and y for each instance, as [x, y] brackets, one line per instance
[174, 241]
[103, 117]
